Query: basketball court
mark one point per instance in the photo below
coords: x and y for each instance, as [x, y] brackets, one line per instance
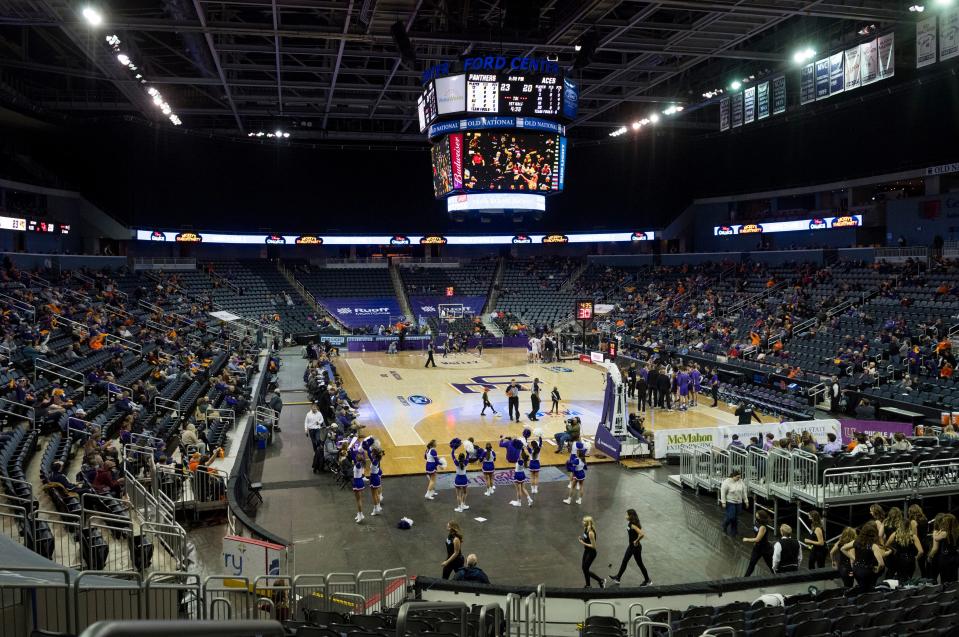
[406, 405]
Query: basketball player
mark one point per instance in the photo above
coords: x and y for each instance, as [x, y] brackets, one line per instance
[376, 479]
[432, 461]
[534, 401]
[697, 377]
[487, 403]
[430, 348]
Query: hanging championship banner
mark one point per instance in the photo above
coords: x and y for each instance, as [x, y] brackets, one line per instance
[949, 34]
[837, 79]
[779, 95]
[807, 83]
[749, 105]
[886, 45]
[762, 101]
[868, 62]
[926, 42]
[822, 78]
[852, 68]
[724, 114]
[737, 109]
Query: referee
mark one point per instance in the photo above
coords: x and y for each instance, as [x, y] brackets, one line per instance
[430, 348]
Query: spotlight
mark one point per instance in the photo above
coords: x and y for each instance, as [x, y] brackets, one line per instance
[736, 85]
[636, 125]
[804, 55]
[285, 135]
[943, 3]
[152, 92]
[92, 16]
[654, 118]
[278, 133]
[577, 47]
[124, 59]
[917, 8]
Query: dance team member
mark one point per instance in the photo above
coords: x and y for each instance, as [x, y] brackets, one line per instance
[634, 549]
[432, 461]
[762, 550]
[816, 543]
[588, 540]
[359, 482]
[533, 448]
[841, 561]
[461, 482]
[454, 550]
[577, 466]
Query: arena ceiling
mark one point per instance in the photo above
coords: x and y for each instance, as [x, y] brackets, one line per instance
[329, 69]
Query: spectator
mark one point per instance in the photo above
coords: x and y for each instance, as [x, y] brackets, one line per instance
[787, 552]
[471, 572]
[832, 446]
[900, 442]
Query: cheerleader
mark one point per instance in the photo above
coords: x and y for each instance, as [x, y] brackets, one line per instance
[489, 467]
[577, 466]
[461, 482]
[432, 461]
[519, 480]
[534, 448]
[359, 483]
[376, 479]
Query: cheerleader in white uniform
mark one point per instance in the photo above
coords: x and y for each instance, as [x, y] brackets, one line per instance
[376, 479]
[461, 482]
[577, 465]
[519, 480]
[359, 482]
[432, 461]
[533, 449]
[489, 468]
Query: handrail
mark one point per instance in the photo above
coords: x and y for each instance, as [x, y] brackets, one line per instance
[125, 343]
[405, 609]
[193, 628]
[82, 330]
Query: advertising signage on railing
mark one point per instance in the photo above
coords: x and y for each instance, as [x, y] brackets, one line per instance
[397, 239]
[816, 223]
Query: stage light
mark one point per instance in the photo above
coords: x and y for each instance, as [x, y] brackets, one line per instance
[577, 47]
[278, 133]
[93, 17]
[654, 118]
[619, 131]
[636, 125]
[152, 92]
[285, 135]
[917, 8]
[943, 3]
[124, 59]
[736, 85]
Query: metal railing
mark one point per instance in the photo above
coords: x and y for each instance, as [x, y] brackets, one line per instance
[125, 343]
[42, 368]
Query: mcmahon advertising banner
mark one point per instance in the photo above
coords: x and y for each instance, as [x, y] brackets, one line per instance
[429, 305]
[360, 312]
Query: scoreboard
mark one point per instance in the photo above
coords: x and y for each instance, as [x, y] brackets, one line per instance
[524, 94]
[514, 93]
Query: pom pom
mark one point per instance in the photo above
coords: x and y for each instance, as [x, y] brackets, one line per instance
[538, 432]
[470, 449]
[527, 432]
[443, 461]
[516, 444]
[455, 444]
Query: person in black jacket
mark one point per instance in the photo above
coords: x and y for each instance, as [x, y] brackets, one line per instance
[471, 572]
[664, 389]
[641, 389]
[745, 413]
[631, 379]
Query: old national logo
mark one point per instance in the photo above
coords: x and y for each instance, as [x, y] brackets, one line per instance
[189, 237]
[433, 239]
[724, 231]
[817, 223]
[399, 240]
[750, 228]
[846, 221]
[639, 236]
[522, 238]
[556, 238]
[156, 235]
[309, 240]
[275, 239]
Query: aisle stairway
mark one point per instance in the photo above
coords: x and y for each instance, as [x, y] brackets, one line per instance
[494, 287]
[400, 291]
[309, 298]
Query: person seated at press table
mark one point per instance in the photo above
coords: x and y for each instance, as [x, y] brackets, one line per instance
[471, 572]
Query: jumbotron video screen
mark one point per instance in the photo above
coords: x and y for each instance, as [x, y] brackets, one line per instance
[442, 168]
[498, 160]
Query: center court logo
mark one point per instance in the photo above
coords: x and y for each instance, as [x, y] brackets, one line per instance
[557, 369]
[416, 399]
[477, 383]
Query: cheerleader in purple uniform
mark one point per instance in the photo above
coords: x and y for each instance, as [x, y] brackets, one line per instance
[534, 448]
[359, 482]
[376, 479]
[461, 482]
[489, 467]
[519, 480]
[432, 461]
